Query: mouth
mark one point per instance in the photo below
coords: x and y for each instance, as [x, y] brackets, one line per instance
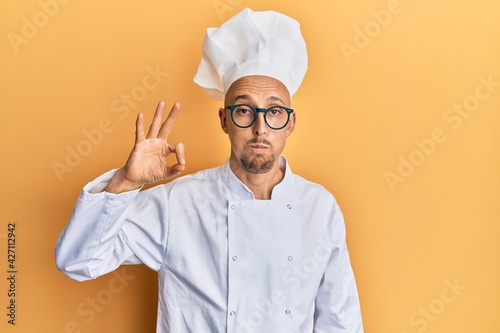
[259, 145]
[258, 148]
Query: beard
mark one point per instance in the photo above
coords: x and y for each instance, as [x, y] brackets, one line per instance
[257, 163]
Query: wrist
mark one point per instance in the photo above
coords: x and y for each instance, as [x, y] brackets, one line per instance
[119, 183]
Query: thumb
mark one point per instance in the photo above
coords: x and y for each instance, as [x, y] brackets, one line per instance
[178, 149]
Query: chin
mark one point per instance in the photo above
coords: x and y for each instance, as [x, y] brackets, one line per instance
[257, 164]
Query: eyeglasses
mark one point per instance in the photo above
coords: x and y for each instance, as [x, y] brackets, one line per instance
[276, 117]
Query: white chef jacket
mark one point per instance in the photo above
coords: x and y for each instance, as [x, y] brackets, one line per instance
[226, 261]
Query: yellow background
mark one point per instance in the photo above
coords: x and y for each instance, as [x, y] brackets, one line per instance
[377, 86]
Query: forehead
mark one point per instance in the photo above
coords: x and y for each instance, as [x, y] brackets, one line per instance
[258, 89]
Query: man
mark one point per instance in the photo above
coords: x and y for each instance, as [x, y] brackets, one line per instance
[245, 247]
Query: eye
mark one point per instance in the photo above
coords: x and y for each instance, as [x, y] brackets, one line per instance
[244, 111]
[275, 111]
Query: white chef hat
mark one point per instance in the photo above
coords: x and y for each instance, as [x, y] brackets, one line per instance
[252, 43]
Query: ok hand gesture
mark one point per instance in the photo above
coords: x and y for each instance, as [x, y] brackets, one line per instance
[147, 162]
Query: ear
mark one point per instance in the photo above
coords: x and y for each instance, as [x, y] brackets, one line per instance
[223, 119]
[291, 125]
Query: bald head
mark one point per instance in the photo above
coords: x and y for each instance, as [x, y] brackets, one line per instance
[258, 90]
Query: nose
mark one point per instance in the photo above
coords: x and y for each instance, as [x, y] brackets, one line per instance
[260, 126]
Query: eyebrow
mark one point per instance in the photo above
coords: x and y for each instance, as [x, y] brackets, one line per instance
[270, 98]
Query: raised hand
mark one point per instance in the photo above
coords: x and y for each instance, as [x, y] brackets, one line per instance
[147, 162]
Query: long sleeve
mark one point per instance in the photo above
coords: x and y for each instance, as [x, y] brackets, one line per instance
[105, 230]
[337, 307]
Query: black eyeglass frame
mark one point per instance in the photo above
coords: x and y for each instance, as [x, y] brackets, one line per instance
[256, 114]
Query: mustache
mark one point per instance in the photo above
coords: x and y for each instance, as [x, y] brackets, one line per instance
[255, 141]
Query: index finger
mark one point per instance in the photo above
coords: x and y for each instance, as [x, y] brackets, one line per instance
[167, 125]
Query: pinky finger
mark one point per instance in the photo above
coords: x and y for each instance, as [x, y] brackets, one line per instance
[139, 128]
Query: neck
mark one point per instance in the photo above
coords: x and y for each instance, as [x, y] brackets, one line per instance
[261, 184]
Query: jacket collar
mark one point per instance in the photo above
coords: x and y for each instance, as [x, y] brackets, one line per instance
[237, 187]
